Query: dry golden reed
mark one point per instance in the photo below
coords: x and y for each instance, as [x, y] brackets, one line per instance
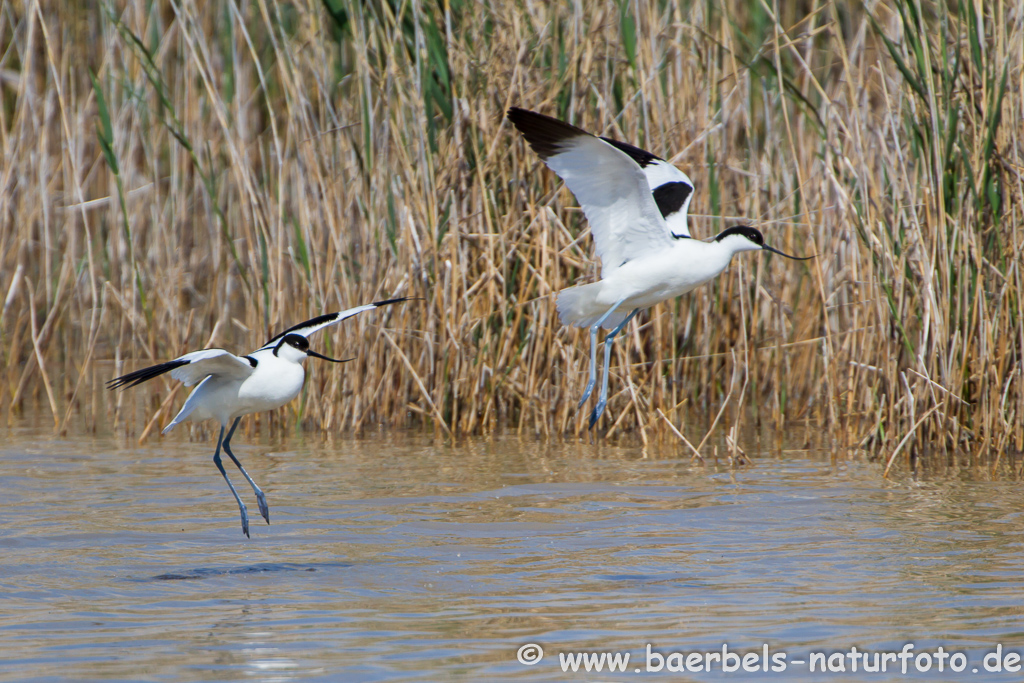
[182, 174]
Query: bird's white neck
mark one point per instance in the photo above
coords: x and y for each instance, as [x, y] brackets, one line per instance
[735, 244]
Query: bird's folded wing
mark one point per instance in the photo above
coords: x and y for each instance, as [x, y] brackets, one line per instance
[321, 321]
[201, 364]
[608, 183]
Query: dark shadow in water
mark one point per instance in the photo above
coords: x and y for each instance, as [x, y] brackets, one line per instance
[214, 572]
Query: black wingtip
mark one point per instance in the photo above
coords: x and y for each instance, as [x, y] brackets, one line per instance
[388, 302]
[545, 134]
[139, 376]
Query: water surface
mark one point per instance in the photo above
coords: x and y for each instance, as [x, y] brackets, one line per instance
[402, 559]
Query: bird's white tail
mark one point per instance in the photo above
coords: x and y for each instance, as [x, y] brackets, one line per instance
[190, 405]
[577, 306]
[178, 419]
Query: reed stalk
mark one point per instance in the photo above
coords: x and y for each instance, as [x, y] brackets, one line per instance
[182, 174]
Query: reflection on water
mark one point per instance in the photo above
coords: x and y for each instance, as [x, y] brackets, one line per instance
[210, 572]
[403, 559]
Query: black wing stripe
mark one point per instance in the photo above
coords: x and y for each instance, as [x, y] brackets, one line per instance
[642, 157]
[312, 322]
[325, 319]
[140, 376]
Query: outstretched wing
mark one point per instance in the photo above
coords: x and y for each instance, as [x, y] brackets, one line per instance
[191, 369]
[609, 184]
[321, 321]
[672, 189]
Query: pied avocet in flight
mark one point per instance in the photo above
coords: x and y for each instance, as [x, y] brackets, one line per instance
[636, 204]
[231, 386]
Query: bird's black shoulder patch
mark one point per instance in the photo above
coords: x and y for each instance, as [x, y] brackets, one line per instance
[642, 157]
[252, 361]
[670, 197]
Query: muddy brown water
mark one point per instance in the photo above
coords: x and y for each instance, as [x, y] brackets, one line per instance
[399, 558]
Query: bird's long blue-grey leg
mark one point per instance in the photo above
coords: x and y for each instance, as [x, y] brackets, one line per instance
[261, 499]
[602, 399]
[593, 355]
[593, 367]
[220, 466]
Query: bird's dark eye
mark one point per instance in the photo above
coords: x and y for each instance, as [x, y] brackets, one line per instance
[297, 341]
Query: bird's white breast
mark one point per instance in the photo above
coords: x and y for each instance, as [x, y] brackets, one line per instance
[665, 275]
[273, 383]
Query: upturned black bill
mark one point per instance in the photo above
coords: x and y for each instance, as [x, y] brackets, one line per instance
[313, 353]
[782, 253]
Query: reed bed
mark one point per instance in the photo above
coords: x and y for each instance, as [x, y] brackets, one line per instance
[182, 174]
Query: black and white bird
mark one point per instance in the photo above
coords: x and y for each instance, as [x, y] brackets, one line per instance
[636, 204]
[231, 386]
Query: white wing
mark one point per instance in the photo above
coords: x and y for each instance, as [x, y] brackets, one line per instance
[612, 182]
[608, 183]
[190, 369]
[321, 321]
[672, 189]
[198, 365]
[201, 364]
